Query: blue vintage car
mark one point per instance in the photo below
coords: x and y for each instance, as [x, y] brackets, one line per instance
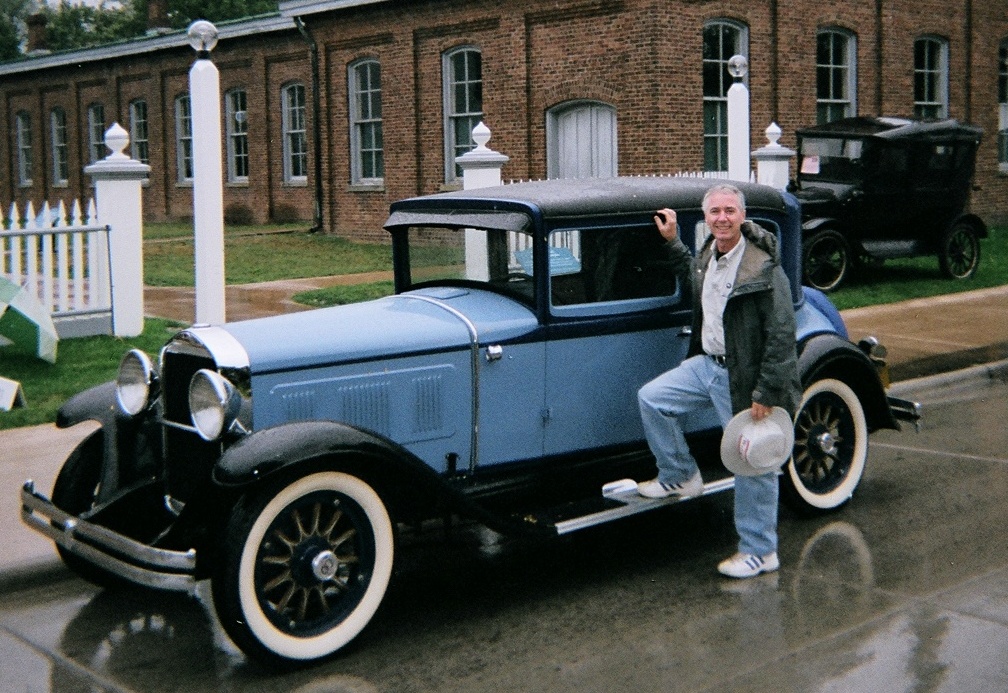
[277, 457]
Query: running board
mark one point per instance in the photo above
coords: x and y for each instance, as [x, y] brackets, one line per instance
[622, 500]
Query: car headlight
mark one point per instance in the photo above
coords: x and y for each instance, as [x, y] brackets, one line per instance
[136, 383]
[214, 403]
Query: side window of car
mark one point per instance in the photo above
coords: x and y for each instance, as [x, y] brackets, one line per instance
[591, 267]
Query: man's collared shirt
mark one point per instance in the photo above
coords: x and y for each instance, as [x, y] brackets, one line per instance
[719, 281]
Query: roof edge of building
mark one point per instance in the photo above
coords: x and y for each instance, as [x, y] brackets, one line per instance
[145, 44]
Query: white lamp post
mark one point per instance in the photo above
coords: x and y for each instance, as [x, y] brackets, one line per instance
[738, 120]
[208, 185]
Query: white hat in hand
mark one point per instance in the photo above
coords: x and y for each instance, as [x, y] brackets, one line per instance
[751, 448]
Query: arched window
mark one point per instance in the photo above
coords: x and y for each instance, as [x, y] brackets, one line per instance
[295, 135]
[60, 148]
[23, 135]
[183, 139]
[236, 135]
[722, 38]
[139, 135]
[836, 75]
[96, 132]
[1002, 92]
[367, 156]
[931, 76]
[463, 104]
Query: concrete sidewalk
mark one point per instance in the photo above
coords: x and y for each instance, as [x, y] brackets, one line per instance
[927, 337]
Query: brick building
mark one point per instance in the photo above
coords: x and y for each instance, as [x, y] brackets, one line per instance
[335, 108]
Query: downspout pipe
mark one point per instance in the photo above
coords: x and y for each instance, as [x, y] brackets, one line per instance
[316, 120]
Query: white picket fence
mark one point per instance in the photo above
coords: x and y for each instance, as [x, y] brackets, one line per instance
[62, 258]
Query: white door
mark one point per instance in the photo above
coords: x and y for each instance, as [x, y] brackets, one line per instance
[581, 141]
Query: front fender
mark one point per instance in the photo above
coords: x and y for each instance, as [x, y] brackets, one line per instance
[410, 488]
[829, 356]
[131, 447]
[263, 453]
[810, 226]
[973, 220]
[94, 404]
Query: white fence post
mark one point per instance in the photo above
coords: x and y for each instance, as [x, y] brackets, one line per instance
[773, 161]
[208, 176]
[119, 205]
[738, 120]
[481, 168]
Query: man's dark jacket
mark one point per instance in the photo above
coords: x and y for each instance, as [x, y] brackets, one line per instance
[759, 321]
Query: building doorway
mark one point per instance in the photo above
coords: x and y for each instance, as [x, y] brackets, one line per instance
[581, 140]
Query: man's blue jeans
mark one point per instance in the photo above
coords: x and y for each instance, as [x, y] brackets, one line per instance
[698, 382]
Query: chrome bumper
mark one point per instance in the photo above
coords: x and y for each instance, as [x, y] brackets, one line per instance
[905, 410]
[127, 558]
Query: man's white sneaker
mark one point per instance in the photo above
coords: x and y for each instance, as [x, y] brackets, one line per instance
[747, 565]
[684, 489]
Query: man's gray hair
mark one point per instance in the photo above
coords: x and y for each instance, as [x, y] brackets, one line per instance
[724, 188]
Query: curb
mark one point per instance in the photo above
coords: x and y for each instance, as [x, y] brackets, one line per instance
[988, 371]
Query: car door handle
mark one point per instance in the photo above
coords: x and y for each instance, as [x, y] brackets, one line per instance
[685, 331]
[494, 352]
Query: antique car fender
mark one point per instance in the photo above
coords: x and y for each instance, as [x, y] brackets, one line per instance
[408, 486]
[973, 220]
[127, 451]
[97, 403]
[827, 355]
[813, 225]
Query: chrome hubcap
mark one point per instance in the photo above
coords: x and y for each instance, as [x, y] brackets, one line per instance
[324, 565]
[827, 443]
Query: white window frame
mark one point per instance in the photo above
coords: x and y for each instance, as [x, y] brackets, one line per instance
[22, 127]
[183, 139]
[236, 135]
[459, 122]
[295, 134]
[60, 147]
[96, 132]
[139, 131]
[1002, 94]
[367, 156]
[931, 78]
[840, 74]
[715, 131]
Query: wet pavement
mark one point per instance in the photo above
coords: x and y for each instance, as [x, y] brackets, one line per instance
[904, 589]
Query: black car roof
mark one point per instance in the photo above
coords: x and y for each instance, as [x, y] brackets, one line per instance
[895, 128]
[562, 198]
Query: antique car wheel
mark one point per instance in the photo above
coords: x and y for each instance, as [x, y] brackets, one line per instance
[960, 252]
[303, 567]
[830, 449]
[74, 492]
[826, 260]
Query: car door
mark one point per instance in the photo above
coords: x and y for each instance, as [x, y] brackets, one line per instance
[618, 318]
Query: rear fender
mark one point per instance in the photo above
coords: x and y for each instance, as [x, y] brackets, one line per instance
[829, 356]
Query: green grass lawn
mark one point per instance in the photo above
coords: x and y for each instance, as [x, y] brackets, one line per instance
[80, 364]
[258, 257]
[253, 256]
[901, 280]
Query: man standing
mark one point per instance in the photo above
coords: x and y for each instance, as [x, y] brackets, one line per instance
[742, 356]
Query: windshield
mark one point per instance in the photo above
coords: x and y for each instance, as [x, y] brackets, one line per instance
[498, 260]
[833, 159]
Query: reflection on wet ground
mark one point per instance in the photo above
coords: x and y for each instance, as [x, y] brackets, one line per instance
[905, 589]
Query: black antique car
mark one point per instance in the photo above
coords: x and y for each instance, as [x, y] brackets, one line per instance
[878, 188]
